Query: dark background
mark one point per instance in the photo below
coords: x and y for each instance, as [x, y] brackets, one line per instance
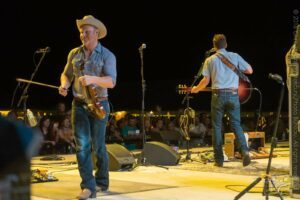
[176, 35]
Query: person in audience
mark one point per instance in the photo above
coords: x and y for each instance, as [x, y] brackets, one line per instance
[48, 145]
[131, 134]
[148, 128]
[174, 135]
[198, 133]
[60, 111]
[158, 125]
[65, 137]
[113, 131]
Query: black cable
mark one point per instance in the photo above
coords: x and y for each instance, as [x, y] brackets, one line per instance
[259, 108]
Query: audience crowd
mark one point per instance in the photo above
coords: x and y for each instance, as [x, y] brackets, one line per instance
[178, 130]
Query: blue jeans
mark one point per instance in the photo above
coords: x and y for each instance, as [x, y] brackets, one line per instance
[90, 138]
[221, 102]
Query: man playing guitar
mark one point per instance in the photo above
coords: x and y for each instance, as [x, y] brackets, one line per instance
[225, 82]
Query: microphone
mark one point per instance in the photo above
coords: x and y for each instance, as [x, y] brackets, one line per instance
[275, 77]
[143, 46]
[209, 52]
[43, 50]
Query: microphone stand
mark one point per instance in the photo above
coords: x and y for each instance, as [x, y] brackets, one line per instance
[24, 96]
[267, 176]
[184, 125]
[143, 159]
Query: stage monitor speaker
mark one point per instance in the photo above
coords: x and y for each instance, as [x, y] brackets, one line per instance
[158, 153]
[120, 158]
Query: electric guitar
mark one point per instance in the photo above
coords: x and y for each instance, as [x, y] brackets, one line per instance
[244, 90]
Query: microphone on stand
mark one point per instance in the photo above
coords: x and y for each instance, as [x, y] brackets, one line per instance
[275, 77]
[209, 52]
[212, 50]
[143, 46]
[43, 50]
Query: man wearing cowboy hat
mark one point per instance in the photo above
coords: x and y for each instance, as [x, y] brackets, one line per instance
[90, 64]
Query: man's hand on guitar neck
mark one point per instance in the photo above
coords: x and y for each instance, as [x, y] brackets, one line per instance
[202, 84]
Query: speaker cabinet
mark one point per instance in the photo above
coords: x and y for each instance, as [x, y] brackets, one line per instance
[158, 153]
[119, 157]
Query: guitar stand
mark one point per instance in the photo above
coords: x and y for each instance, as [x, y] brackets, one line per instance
[184, 124]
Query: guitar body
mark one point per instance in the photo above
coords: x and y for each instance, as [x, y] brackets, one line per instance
[244, 91]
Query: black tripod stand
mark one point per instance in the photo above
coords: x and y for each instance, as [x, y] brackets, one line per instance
[267, 176]
[143, 159]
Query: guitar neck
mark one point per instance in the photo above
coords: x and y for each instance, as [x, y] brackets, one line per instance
[244, 90]
[184, 89]
[207, 89]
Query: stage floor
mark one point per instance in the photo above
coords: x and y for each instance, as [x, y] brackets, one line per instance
[189, 180]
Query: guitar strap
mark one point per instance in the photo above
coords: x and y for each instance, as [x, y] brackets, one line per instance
[233, 67]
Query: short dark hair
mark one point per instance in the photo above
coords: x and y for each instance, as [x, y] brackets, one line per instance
[219, 41]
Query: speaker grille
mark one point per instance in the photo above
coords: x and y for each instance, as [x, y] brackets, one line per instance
[158, 153]
[119, 157]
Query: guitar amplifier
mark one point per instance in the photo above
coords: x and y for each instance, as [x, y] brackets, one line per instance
[229, 140]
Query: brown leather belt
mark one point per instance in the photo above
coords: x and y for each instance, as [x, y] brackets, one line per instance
[225, 90]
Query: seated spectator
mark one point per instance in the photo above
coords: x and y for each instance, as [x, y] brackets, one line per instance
[48, 144]
[131, 134]
[198, 133]
[113, 131]
[148, 128]
[172, 135]
[60, 112]
[65, 137]
[155, 132]
[158, 125]
[205, 120]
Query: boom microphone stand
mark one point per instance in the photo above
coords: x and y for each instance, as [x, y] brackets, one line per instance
[267, 176]
[184, 124]
[24, 96]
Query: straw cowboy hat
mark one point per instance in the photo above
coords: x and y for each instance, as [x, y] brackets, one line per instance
[90, 20]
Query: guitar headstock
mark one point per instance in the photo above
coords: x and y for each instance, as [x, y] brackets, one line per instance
[183, 89]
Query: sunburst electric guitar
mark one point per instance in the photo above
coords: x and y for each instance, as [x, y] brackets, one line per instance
[244, 90]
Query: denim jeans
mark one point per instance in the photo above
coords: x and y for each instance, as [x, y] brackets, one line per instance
[90, 138]
[221, 102]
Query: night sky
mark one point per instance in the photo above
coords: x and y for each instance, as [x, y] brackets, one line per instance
[176, 37]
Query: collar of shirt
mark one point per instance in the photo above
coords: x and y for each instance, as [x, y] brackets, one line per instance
[97, 49]
[222, 50]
